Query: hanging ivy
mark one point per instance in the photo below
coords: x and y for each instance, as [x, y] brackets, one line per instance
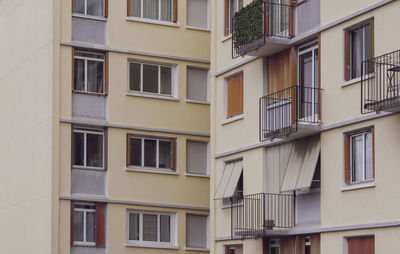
[248, 24]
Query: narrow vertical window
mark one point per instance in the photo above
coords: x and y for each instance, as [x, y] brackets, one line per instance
[235, 96]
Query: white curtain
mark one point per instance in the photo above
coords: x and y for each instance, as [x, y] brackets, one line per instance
[356, 52]
[149, 227]
[133, 226]
[357, 158]
[135, 8]
[368, 157]
[150, 9]
[165, 225]
[166, 10]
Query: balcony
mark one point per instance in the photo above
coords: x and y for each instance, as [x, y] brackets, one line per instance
[253, 216]
[294, 111]
[380, 84]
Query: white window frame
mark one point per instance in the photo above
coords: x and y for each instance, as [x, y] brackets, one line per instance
[85, 132]
[155, 244]
[173, 68]
[159, 12]
[157, 151]
[237, 8]
[85, 212]
[208, 158]
[77, 13]
[86, 68]
[363, 134]
[232, 247]
[362, 26]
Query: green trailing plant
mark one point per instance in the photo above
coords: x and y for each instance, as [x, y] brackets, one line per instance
[248, 24]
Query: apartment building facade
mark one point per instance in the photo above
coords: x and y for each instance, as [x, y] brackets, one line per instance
[303, 127]
[115, 118]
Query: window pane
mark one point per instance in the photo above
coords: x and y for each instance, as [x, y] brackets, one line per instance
[165, 80]
[90, 224]
[150, 153]
[196, 231]
[135, 8]
[197, 13]
[94, 152]
[134, 226]
[368, 157]
[166, 10]
[89, 54]
[95, 76]
[78, 226]
[149, 227]
[136, 151]
[79, 74]
[78, 148]
[95, 7]
[356, 52]
[357, 158]
[196, 157]
[165, 224]
[134, 76]
[150, 9]
[79, 6]
[164, 159]
[150, 78]
[197, 84]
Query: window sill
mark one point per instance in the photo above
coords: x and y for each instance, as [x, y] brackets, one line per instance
[355, 80]
[84, 244]
[152, 245]
[233, 119]
[88, 168]
[197, 175]
[229, 205]
[225, 38]
[152, 21]
[152, 96]
[198, 28]
[78, 15]
[153, 171]
[197, 249]
[357, 186]
[197, 102]
[89, 93]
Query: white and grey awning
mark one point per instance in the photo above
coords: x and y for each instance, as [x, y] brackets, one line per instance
[230, 178]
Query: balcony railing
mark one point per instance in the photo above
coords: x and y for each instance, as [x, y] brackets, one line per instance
[380, 83]
[252, 215]
[281, 112]
[258, 20]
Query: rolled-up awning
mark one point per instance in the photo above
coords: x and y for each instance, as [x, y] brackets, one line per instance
[230, 178]
[302, 163]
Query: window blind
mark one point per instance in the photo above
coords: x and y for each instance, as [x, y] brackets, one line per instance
[196, 231]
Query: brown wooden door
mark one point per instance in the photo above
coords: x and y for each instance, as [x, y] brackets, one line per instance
[361, 245]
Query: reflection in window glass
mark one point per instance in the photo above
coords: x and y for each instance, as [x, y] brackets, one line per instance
[150, 78]
[95, 7]
[150, 147]
[94, 150]
[164, 160]
[78, 226]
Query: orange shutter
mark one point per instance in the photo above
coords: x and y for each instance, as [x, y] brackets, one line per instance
[291, 18]
[72, 222]
[72, 70]
[231, 97]
[106, 8]
[72, 5]
[173, 153]
[347, 158]
[100, 225]
[106, 63]
[239, 82]
[175, 14]
[128, 7]
[226, 19]
[346, 55]
[315, 244]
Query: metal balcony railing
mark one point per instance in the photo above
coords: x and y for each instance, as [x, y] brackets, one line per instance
[380, 83]
[252, 215]
[258, 20]
[281, 112]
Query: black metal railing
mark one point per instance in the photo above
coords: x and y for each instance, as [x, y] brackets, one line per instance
[252, 215]
[380, 83]
[281, 112]
[258, 20]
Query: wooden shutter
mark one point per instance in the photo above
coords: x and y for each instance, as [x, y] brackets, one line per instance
[128, 7]
[100, 225]
[291, 17]
[72, 5]
[175, 11]
[369, 245]
[226, 18]
[72, 69]
[361, 245]
[72, 222]
[346, 55]
[239, 97]
[106, 8]
[266, 18]
[346, 158]
[231, 97]
[106, 68]
[300, 244]
[315, 244]
[173, 153]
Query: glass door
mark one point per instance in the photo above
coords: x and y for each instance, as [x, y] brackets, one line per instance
[279, 18]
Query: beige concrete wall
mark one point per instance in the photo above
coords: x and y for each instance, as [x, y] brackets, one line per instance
[26, 145]
[249, 245]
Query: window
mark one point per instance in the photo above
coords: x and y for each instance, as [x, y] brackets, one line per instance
[197, 13]
[150, 78]
[359, 156]
[151, 227]
[197, 84]
[196, 231]
[364, 245]
[231, 6]
[358, 48]
[274, 246]
[89, 72]
[151, 152]
[237, 197]
[90, 7]
[234, 249]
[235, 96]
[162, 10]
[87, 224]
[197, 157]
[88, 148]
